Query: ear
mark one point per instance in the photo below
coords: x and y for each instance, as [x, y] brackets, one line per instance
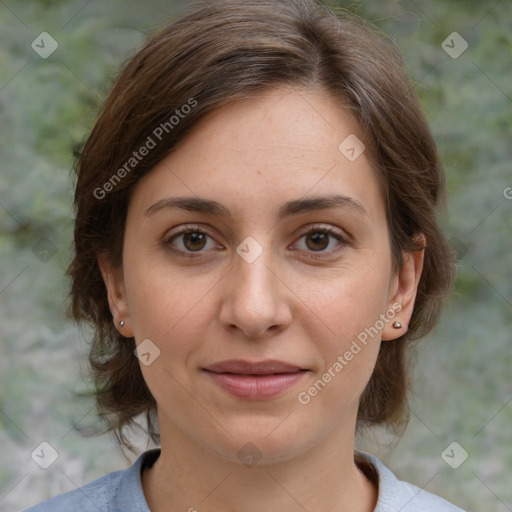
[114, 283]
[404, 286]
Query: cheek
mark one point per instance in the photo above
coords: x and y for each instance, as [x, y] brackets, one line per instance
[350, 314]
[349, 300]
[170, 309]
[166, 304]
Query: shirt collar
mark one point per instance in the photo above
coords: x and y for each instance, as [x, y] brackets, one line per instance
[129, 495]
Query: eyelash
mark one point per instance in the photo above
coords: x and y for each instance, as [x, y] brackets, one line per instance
[315, 229]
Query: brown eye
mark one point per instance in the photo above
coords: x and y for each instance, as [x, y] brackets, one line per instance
[189, 240]
[317, 240]
[194, 241]
[322, 240]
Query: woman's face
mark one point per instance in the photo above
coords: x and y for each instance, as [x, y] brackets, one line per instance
[258, 279]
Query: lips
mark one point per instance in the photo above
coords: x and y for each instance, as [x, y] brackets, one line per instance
[254, 380]
[267, 367]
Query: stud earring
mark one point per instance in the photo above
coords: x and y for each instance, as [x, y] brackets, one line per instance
[397, 325]
[121, 323]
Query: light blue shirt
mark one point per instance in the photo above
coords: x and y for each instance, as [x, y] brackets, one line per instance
[121, 491]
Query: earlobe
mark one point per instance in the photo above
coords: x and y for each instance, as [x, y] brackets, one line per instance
[114, 284]
[405, 287]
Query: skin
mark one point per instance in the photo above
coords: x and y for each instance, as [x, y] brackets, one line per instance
[253, 156]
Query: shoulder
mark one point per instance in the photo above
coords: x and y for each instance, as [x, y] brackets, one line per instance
[396, 495]
[93, 496]
[115, 492]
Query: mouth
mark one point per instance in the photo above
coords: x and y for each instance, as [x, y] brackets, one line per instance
[254, 380]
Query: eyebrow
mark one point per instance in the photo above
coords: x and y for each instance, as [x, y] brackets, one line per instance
[295, 207]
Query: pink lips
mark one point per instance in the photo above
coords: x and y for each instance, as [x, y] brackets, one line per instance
[254, 380]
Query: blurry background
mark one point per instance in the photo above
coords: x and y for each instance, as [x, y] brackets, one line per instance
[48, 104]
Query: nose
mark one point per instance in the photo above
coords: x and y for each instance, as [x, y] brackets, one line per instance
[256, 300]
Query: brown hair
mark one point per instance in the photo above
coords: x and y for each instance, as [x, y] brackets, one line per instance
[228, 51]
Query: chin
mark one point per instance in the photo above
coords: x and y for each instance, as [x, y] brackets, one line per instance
[264, 441]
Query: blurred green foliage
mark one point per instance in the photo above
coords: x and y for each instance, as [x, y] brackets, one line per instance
[47, 106]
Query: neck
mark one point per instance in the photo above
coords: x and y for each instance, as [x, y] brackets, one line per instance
[189, 477]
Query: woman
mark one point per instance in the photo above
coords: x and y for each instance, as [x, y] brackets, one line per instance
[256, 246]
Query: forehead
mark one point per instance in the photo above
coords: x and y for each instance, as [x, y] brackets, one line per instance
[282, 144]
